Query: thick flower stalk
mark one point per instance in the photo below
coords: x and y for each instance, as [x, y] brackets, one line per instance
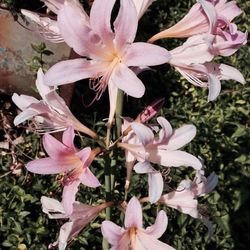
[64, 158]
[144, 147]
[80, 217]
[51, 114]
[133, 235]
[109, 54]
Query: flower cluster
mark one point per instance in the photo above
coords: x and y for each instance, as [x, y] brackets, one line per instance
[111, 60]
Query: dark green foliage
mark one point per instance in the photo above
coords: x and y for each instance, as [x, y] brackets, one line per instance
[222, 141]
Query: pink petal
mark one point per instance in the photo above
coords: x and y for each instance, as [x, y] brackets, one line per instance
[160, 226]
[126, 80]
[197, 49]
[64, 234]
[84, 154]
[144, 133]
[41, 87]
[181, 137]
[68, 196]
[23, 101]
[111, 232]
[166, 127]
[125, 243]
[142, 6]
[144, 168]
[55, 102]
[214, 87]
[53, 208]
[183, 201]
[100, 20]
[88, 179]
[54, 148]
[193, 23]
[211, 14]
[155, 186]
[229, 72]
[173, 158]
[136, 56]
[145, 241]
[68, 138]
[125, 24]
[25, 115]
[50, 166]
[133, 215]
[73, 24]
[227, 43]
[73, 70]
[230, 10]
[138, 151]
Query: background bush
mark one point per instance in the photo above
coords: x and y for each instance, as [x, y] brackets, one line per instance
[222, 141]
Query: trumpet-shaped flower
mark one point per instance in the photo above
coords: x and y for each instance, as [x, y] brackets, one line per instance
[206, 16]
[148, 112]
[108, 53]
[65, 159]
[208, 75]
[192, 60]
[133, 235]
[80, 217]
[184, 199]
[145, 148]
[44, 25]
[50, 114]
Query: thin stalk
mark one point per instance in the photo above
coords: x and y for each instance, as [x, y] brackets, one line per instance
[107, 172]
[118, 112]
[110, 161]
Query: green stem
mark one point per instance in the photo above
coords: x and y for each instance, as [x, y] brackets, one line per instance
[118, 113]
[110, 161]
[107, 172]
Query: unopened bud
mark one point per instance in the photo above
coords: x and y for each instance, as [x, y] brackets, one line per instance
[150, 111]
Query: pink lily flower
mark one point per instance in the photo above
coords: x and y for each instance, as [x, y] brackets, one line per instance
[206, 16]
[208, 75]
[201, 185]
[44, 26]
[142, 6]
[110, 53]
[150, 111]
[144, 148]
[133, 235]
[50, 114]
[191, 60]
[80, 217]
[228, 42]
[184, 199]
[64, 158]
